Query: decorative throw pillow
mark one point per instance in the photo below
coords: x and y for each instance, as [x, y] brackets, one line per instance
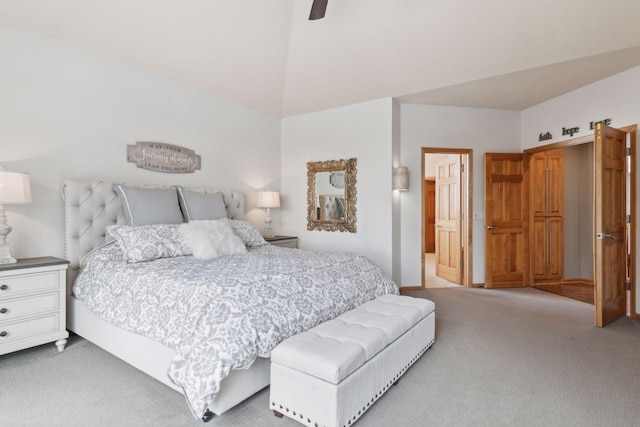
[149, 242]
[247, 232]
[143, 206]
[212, 239]
[201, 206]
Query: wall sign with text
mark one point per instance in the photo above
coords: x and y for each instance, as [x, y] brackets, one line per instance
[162, 157]
[571, 130]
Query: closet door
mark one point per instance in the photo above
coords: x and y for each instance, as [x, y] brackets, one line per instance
[547, 201]
[610, 239]
[507, 222]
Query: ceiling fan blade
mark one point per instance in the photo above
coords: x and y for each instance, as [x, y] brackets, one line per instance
[318, 8]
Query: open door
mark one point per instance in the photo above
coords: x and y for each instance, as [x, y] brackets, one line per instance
[506, 219]
[448, 220]
[610, 247]
[430, 215]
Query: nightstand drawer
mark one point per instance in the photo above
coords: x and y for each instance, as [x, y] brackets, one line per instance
[12, 331]
[290, 243]
[16, 307]
[283, 241]
[25, 283]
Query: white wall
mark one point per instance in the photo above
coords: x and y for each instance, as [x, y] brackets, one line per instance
[617, 98]
[578, 211]
[363, 131]
[66, 113]
[482, 130]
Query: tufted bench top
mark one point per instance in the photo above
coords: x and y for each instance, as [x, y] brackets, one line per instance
[334, 349]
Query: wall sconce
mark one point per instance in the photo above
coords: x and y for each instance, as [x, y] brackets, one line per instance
[401, 178]
[268, 199]
[15, 189]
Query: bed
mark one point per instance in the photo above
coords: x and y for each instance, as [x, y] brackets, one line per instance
[92, 206]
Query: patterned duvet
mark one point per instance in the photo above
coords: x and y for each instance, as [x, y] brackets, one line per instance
[220, 314]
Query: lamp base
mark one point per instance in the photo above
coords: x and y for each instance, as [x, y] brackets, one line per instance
[268, 231]
[5, 254]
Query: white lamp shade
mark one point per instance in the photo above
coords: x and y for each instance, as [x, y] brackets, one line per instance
[15, 188]
[401, 178]
[268, 199]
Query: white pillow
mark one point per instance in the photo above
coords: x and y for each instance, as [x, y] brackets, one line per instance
[212, 239]
[149, 242]
[247, 232]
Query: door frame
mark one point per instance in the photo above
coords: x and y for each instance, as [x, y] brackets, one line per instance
[467, 226]
[632, 131]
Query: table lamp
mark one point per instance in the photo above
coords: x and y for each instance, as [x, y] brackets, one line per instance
[15, 189]
[268, 199]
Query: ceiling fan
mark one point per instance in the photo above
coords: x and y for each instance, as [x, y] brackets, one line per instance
[318, 8]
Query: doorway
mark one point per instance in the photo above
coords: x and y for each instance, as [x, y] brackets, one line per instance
[611, 231]
[446, 227]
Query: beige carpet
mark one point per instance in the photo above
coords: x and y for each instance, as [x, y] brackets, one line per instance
[517, 357]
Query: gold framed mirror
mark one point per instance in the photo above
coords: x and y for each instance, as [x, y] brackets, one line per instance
[331, 195]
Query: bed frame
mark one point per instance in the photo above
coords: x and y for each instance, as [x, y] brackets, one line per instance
[90, 206]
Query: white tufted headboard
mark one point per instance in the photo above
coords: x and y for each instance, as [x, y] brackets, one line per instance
[90, 206]
[331, 207]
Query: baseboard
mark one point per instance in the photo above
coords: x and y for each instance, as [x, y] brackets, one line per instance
[410, 288]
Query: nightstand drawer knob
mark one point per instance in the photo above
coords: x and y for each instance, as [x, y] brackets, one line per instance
[3, 310]
[3, 334]
[4, 288]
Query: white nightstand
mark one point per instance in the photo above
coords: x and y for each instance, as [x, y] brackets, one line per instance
[33, 303]
[284, 241]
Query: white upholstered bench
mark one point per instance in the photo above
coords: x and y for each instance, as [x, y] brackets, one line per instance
[331, 374]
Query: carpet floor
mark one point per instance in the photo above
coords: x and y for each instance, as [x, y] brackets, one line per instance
[516, 357]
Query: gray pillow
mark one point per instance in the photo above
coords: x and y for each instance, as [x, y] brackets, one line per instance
[146, 206]
[201, 206]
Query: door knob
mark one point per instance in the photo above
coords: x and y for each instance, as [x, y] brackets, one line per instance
[491, 227]
[602, 236]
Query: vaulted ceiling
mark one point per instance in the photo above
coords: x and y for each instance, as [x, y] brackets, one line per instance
[266, 54]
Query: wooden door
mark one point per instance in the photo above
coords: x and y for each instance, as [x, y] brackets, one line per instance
[506, 219]
[448, 220]
[610, 237]
[430, 215]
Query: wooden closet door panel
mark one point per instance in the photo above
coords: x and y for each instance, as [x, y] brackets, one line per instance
[538, 170]
[539, 248]
[555, 183]
[555, 248]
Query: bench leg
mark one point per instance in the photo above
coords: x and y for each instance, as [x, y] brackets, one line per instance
[277, 414]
